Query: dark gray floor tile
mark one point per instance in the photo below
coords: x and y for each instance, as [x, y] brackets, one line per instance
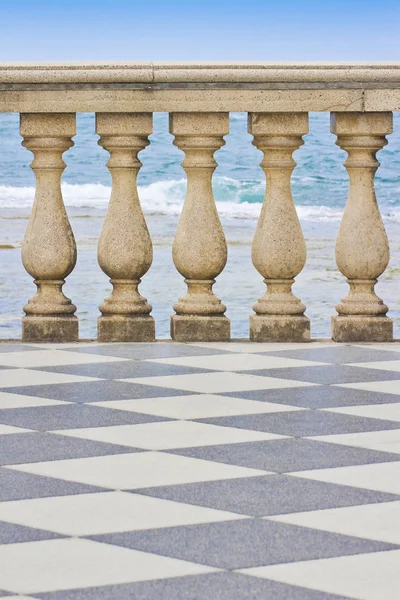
[212, 586]
[17, 347]
[16, 485]
[267, 495]
[289, 455]
[329, 374]
[20, 448]
[243, 543]
[122, 370]
[71, 416]
[95, 391]
[15, 534]
[337, 354]
[145, 351]
[322, 396]
[304, 423]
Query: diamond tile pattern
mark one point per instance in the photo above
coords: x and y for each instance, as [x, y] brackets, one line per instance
[200, 471]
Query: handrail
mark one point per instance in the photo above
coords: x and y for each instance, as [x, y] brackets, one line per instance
[386, 75]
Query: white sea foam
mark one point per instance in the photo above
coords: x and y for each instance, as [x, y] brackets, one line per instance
[166, 198]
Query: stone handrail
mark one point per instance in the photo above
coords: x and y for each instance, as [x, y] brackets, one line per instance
[278, 98]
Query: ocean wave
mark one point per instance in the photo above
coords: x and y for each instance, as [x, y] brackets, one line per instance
[235, 199]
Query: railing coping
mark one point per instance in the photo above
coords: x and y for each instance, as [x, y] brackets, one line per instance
[382, 74]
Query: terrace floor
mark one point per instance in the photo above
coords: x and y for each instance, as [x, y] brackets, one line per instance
[169, 471]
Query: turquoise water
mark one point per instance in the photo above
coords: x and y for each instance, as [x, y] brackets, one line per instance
[319, 189]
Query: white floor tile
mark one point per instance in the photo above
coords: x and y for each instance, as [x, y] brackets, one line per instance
[387, 365]
[8, 429]
[216, 383]
[373, 576]
[134, 471]
[51, 358]
[389, 412]
[106, 512]
[63, 345]
[382, 477]
[385, 441]
[380, 522]
[24, 377]
[385, 387]
[389, 346]
[168, 435]
[237, 362]
[8, 400]
[196, 406]
[53, 565]
[252, 347]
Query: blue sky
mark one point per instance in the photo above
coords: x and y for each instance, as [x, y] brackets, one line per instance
[176, 30]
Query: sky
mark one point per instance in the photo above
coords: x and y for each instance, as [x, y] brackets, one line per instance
[210, 30]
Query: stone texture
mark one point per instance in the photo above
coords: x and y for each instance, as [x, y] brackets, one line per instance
[362, 329]
[206, 87]
[278, 250]
[125, 250]
[201, 329]
[81, 72]
[127, 72]
[283, 328]
[49, 249]
[240, 98]
[362, 247]
[385, 99]
[384, 74]
[199, 250]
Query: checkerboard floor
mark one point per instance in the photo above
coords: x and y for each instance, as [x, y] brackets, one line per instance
[174, 471]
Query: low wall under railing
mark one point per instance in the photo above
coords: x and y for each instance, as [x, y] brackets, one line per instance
[198, 97]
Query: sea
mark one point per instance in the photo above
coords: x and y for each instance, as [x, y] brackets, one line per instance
[319, 185]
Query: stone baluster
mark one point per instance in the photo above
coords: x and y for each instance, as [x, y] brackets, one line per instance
[279, 250]
[125, 250]
[362, 247]
[199, 248]
[49, 250]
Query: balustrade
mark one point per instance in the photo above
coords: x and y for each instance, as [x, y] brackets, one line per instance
[199, 250]
[279, 249]
[362, 247]
[125, 250]
[49, 249]
[199, 98]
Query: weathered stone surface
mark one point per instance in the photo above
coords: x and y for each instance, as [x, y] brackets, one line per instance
[385, 74]
[194, 328]
[278, 250]
[199, 250]
[205, 87]
[239, 99]
[382, 100]
[125, 250]
[362, 247]
[362, 329]
[282, 328]
[125, 328]
[49, 249]
[50, 329]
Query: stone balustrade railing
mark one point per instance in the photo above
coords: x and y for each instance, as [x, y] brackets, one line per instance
[198, 97]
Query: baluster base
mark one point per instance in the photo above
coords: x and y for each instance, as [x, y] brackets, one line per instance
[50, 329]
[122, 328]
[362, 329]
[194, 328]
[279, 328]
